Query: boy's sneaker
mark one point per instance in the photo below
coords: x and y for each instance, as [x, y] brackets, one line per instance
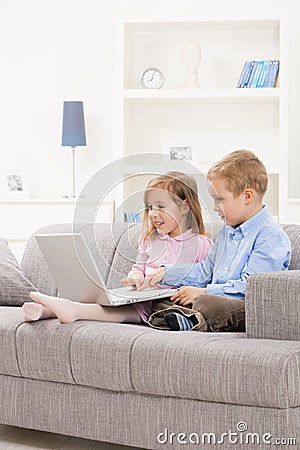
[178, 322]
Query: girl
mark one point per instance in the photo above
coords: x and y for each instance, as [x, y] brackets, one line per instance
[172, 232]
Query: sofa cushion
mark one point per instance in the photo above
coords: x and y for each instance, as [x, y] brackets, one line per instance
[10, 320]
[84, 352]
[14, 286]
[100, 354]
[293, 232]
[220, 367]
[43, 350]
[104, 243]
[125, 255]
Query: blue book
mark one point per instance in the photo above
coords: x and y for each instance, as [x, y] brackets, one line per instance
[242, 74]
[248, 85]
[256, 75]
[269, 71]
[267, 77]
[273, 73]
[263, 73]
[248, 74]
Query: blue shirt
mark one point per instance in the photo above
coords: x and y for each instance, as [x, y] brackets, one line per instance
[258, 245]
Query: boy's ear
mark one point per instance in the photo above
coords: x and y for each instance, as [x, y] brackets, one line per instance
[248, 195]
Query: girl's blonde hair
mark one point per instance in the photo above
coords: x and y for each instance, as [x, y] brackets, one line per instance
[184, 188]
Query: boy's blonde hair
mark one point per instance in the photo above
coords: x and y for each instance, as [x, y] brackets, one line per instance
[241, 170]
[182, 187]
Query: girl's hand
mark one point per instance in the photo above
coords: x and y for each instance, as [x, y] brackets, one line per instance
[185, 295]
[153, 278]
[135, 280]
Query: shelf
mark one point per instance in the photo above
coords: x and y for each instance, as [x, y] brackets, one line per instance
[148, 24]
[42, 201]
[233, 95]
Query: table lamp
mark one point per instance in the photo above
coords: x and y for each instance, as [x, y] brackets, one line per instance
[73, 134]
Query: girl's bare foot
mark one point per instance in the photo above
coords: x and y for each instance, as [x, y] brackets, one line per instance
[62, 308]
[34, 311]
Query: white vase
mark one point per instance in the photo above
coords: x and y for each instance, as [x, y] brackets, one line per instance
[192, 57]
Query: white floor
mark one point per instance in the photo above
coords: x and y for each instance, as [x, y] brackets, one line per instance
[13, 438]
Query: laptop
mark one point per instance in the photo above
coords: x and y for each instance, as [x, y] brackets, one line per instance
[78, 278]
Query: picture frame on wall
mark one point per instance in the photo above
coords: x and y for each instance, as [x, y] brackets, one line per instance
[179, 152]
[14, 184]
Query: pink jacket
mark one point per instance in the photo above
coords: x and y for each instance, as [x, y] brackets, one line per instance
[184, 248]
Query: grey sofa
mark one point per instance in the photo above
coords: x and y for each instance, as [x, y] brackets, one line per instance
[134, 385]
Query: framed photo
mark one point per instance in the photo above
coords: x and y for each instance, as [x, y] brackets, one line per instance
[14, 184]
[180, 152]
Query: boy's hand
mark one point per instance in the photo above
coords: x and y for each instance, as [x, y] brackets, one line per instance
[153, 278]
[185, 295]
[135, 280]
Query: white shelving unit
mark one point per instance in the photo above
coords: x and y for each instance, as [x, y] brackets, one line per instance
[215, 119]
[22, 217]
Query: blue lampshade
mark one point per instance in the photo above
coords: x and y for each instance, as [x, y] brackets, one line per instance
[73, 133]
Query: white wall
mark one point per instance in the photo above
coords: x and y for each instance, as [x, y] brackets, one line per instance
[59, 50]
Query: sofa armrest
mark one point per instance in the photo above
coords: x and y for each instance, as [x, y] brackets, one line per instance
[273, 305]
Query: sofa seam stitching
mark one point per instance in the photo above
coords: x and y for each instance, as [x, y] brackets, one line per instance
[69, 351]
[287, 377]
[130, 358]
[16, 349]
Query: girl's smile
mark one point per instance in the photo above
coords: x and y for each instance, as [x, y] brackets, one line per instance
[166, 213]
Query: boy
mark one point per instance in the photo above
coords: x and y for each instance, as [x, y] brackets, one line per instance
[210, 294]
